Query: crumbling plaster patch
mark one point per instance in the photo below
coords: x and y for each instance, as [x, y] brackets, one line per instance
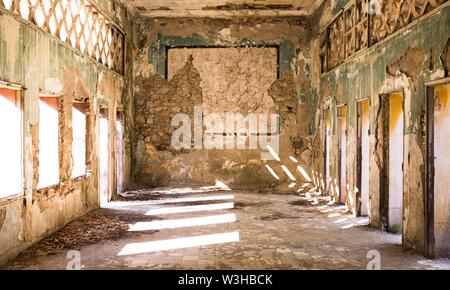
[409, 64]
[2, 216]
[43, 64]
[290, 94]
[445, 58]
[9, 47]
[402, 63]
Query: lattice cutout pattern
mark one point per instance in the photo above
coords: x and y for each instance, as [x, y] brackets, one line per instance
[396, 14]
[77, 23]
[350, 31]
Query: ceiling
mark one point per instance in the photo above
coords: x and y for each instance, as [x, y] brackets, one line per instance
[218, 8]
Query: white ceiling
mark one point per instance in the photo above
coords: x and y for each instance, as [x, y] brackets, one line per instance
[205, 8]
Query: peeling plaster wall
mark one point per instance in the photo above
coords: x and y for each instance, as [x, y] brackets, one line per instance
[39, 62]
[442, 169]
[155, 163]
[401, 63]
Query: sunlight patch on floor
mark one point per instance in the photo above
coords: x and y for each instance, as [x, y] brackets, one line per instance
[180, 243]
[193, 208]
[183, 223]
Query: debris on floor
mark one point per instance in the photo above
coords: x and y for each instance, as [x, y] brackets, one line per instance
[95, 227]
[262, 231]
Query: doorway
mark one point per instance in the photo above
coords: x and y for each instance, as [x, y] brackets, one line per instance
[438, 171]
[119, 153]
[363, 153]
[391, 186]
[326, 146]
[342, 124]
[396, 132]
[104, 153]
[11, 152]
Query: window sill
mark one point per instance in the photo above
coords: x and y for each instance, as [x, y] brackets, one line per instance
[46, 188]
[57, 186]
[80, 178]
[12, 198]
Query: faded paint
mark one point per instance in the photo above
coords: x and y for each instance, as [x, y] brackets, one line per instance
[396, 121]
[365, 156]
[328, 177]
[41, 63]
[442, 170]
[401, 63]
[237, 79]
[343, 151]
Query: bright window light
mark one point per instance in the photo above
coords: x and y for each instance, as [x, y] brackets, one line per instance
[10, 147]
[7, 3]
[183, 223]
[79, 140]
[180, 243]
[194, 208]
[48, 142]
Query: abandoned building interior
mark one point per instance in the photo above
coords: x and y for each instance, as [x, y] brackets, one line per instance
[352, 150]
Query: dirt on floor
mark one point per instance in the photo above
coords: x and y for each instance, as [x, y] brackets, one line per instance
[95, 227]
[271, 231]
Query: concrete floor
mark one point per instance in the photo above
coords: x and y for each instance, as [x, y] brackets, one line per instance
[153, 230]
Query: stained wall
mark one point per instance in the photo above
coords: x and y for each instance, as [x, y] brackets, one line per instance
[38, 62]
[239, 65]
[403, 62]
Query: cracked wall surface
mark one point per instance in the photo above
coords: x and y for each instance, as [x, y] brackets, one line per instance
[233, 70]
[39, 62]
[403, 63]
[241, 64]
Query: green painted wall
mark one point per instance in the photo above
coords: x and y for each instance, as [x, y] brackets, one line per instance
[364, 76]
[157, 51]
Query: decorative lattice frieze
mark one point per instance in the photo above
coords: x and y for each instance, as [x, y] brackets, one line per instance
[396, 14]
[366, 22]
[77, 23]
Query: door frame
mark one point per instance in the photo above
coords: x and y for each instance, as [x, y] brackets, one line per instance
[359, 152]
[326, 113]
[430, 169]
[120, 169]
[339, 118]
[20, 102]
[104, 112]
[383, 98]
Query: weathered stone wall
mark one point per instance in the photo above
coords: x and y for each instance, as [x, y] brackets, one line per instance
[38, 62]
[232, 80]
[224, 67]
[403, 63]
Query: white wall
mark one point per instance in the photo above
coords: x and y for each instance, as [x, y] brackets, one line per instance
[343, 159]
[104, 160]
[365, 124]
[328, 148]
[395, 161]
[442, 171]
